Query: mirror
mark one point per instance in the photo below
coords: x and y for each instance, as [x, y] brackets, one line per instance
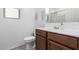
[55, 15]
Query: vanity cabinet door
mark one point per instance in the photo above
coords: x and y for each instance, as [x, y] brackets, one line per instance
[40, 43]
[54, 46]
[63, 39]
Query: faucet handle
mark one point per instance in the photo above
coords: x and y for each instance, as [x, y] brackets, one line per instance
[61, 23]
[56, 27]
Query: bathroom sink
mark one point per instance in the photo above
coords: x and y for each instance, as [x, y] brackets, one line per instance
[71, 32]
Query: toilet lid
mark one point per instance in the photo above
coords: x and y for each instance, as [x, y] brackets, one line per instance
[30, 38]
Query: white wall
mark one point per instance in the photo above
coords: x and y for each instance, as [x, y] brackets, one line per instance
[13, 31]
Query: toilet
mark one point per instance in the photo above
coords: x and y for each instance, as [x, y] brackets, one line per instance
[30, 42]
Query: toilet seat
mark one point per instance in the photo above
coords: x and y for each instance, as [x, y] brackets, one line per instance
[29, 39]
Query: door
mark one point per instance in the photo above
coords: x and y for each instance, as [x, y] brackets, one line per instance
[40, 43]
[55, 46]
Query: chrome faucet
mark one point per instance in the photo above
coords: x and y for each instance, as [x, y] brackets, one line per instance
[59, 27]
[62, 26]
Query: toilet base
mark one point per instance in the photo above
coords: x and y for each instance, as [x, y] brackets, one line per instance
[30, 45]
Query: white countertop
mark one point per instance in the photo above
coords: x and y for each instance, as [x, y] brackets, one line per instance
[70, 32]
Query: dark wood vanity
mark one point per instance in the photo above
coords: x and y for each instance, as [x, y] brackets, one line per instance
[41, 38]
[46, 40]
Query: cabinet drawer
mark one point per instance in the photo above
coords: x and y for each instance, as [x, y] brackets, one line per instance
[41, 32]
[54, 46]
[65, 40]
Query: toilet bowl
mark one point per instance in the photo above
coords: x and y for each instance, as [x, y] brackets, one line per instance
[30, 42]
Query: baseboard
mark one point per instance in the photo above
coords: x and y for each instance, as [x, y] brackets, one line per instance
[15, 46]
